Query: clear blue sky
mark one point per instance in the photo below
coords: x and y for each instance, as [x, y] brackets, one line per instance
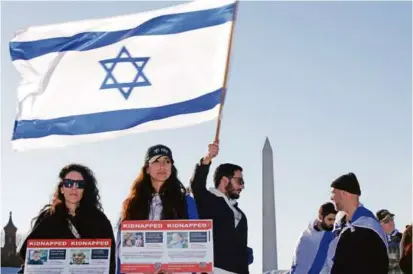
[329, 83]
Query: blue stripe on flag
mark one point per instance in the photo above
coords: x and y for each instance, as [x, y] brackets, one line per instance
[161, 25]
[321, 255]
[112, 120]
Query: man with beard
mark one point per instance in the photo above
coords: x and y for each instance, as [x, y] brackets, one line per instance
[311, 251]
[219, 204]
[360, 244]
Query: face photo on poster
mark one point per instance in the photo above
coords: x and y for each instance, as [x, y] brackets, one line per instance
[177, 239]
[80, 256]
[37, 256]
[133, 239]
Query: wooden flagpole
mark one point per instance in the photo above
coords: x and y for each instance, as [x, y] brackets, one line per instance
[224, 86]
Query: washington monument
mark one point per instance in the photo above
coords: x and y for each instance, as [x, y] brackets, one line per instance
[269, 234]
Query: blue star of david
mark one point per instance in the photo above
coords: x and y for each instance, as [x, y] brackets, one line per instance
[139, 80]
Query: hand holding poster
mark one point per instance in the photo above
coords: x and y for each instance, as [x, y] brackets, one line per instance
[68, 256]
[176, 246]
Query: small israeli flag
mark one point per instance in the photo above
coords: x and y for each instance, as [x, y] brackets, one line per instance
[90, 80]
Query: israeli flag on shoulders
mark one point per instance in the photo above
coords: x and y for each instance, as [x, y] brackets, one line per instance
[99, 79]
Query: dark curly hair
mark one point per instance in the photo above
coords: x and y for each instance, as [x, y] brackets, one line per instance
[90, 200]
[172, 193]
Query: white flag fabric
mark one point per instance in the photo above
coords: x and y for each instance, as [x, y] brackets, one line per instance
[90, 80]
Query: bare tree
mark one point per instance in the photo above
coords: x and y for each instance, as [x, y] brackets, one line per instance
[19, 239]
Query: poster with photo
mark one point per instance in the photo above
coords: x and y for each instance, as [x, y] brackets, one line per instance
[68, 256]
[177, 246]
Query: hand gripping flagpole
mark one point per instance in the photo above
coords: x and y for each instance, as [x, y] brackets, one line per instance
[224, 86]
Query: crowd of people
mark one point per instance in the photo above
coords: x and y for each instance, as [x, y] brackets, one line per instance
[359, 242]
[156, 194]
[348, 238]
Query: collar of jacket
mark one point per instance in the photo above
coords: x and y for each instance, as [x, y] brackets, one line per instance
[230, 203]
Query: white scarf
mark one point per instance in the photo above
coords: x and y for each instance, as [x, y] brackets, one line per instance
[230, 203]
[156, 208]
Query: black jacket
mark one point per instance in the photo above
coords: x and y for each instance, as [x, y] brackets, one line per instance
[230, 242]
[361, 251]
[91, 225]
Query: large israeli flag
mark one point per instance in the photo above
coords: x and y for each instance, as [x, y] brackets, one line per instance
[98, 79]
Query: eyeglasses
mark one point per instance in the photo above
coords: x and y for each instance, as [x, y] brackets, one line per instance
[387, 220]
[68, 183]
[239, 180]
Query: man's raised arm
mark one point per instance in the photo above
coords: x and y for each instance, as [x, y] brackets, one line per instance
[200, 175]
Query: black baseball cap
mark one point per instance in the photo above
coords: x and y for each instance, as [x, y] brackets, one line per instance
[383, 213]
[157, 151]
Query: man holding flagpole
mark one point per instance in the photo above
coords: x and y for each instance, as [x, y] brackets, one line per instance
[230, 227]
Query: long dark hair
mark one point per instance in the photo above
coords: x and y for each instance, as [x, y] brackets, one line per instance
[172, 193]
[89, 202]
[406, 238]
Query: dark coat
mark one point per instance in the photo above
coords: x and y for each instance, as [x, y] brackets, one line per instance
[360, 251]
[90, 225]
[230, 242]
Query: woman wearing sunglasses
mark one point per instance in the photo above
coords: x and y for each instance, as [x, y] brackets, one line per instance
[157, 193]
[75, 212]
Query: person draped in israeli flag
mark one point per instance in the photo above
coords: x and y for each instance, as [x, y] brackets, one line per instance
[98, 79]
[360, 244]
[311, 251]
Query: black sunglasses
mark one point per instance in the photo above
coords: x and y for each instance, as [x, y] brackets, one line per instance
[387, 219]
[239, 180]
[68, 183]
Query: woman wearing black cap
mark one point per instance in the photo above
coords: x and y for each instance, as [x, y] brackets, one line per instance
[157, 193]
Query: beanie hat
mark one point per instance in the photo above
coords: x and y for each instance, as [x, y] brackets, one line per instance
[327, 208]
[347, 182]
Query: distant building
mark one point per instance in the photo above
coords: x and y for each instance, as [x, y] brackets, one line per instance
[9, 256]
